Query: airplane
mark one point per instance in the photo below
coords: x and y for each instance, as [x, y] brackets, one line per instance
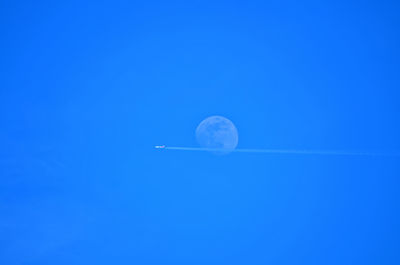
[159, 146]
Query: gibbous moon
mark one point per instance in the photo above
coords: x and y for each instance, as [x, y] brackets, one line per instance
[217, 132]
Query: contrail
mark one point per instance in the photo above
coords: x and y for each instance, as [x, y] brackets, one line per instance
[281, 151]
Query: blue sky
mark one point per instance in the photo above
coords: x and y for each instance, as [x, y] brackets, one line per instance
[88, 88]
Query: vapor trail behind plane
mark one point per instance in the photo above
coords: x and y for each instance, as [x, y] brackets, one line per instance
[282, 151]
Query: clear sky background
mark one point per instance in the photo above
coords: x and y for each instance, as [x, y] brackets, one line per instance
[87, 88]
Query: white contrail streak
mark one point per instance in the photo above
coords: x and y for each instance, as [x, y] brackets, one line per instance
[284, 151]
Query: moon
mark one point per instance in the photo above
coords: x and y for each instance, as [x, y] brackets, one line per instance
[217, 132]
